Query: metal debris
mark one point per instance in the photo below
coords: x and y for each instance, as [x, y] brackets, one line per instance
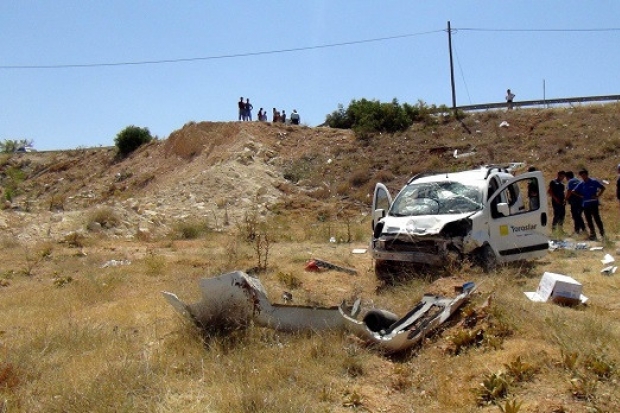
[393, 335]
[236, 298]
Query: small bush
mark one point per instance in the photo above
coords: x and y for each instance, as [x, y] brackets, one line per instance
[106, 217]
[190, 229]
[131, 138]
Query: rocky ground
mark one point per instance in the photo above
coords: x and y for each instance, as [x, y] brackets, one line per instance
[210, 172]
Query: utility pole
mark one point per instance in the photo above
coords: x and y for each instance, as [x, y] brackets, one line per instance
[452, 70]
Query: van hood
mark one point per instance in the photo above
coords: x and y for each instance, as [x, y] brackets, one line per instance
[420, 225]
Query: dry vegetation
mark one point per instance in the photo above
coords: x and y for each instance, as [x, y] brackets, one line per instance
[78, 335]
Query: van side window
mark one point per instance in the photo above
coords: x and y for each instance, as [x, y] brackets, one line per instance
[513, 195]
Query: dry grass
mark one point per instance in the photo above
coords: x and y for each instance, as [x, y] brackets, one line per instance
[107, 341]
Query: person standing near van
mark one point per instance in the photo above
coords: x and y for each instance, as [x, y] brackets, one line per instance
[574, 201]
[590, 190]
[618, 185]
[556, 192]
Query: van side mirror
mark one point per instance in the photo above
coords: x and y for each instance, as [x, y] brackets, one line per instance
[503, 209]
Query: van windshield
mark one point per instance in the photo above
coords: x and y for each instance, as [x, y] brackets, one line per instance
[436, 198]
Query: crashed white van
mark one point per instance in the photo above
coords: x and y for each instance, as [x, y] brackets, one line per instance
[486, 214]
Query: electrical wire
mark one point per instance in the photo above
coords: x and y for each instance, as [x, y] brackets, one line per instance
[296, 49]
[229, 56]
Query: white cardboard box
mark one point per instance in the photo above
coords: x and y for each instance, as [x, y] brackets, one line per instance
[558, 288]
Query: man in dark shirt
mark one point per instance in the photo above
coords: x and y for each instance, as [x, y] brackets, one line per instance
[556, 192]
[241, 106]
[618, 185]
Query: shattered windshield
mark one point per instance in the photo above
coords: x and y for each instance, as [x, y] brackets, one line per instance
[436, 198]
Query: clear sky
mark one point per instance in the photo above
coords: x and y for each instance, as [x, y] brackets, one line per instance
[73, 73]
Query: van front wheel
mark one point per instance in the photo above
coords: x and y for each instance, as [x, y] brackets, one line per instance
[486, 258]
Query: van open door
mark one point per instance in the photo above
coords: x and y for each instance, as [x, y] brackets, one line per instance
[519, 227]
[381, 203]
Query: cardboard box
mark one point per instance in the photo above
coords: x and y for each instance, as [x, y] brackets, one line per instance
[558, 288]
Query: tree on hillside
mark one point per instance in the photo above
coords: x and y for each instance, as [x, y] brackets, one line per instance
[11, 145]
[131, 138]
[368, 116]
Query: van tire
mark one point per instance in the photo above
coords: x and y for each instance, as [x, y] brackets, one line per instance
[486, 258]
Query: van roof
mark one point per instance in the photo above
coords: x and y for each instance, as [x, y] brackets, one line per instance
[471, 177]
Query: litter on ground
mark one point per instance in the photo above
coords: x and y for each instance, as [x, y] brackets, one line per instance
[558, 288]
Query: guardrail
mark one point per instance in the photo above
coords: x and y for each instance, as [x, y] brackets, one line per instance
[541, 102]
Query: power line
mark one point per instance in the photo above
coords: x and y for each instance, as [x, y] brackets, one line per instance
[229, 56]
[277, 51]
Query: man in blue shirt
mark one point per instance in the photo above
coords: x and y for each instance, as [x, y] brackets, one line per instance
[590, 190]
[575, 202]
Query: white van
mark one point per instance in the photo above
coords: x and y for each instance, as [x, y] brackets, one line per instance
[486, 214]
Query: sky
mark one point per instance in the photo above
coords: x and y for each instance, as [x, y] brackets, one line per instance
[73, 74]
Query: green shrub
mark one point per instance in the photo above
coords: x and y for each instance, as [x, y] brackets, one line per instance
[131, 138]
[371, 116]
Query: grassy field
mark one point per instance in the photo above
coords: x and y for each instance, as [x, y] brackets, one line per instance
[81, 336]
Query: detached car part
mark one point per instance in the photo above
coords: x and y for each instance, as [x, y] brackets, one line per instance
[235, 298]
[391, 334]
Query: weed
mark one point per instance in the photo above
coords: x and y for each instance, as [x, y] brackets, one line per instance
[62, 281]
[401, 379]
[190, 229]
[511, 406]
[74, 239]
[599, 365]
[353, 399]
[9, 377]
[519, 370]
[465, 338]
[104, 216]
[353, 367]
[33, 261]
[492, 389]
[583, 387]
[155, 264]
[569, 359]
[288, 279]
[57, 202]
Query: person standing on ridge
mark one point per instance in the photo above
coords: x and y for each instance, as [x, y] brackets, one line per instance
[241, 106]
[248, 109]
[295, 119]
[509, 98]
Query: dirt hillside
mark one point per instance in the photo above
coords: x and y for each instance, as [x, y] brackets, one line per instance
[217, 172]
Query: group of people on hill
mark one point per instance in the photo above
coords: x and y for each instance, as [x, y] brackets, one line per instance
[245, 113]
[582, 194]
[278, 116]
[245, 109]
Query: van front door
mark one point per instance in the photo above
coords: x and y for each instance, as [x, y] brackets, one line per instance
[518, 228]
[381, 203]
